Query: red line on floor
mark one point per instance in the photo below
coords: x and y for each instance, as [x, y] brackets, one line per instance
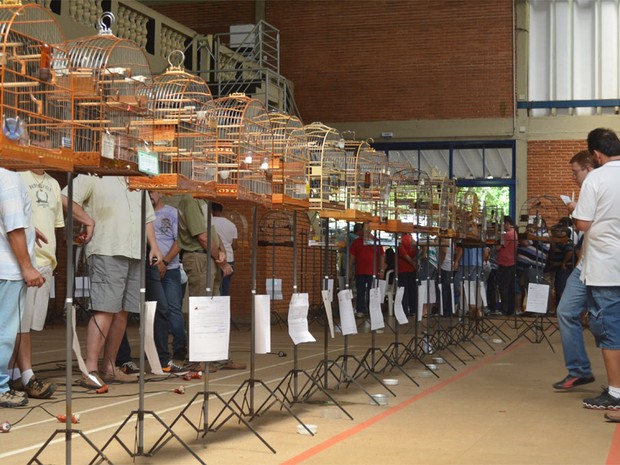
[613, 458]
[391, 411]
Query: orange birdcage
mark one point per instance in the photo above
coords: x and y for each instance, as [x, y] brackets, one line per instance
[108, 76]
[176, 99]
[34, 100]
[369, 172]
[329, 171]
[289, 162]
[237, 149]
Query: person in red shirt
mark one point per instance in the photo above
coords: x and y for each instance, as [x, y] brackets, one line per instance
[407, 270]
[506, 260]
[363, 258]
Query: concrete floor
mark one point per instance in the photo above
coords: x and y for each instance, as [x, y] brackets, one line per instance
[496, 408]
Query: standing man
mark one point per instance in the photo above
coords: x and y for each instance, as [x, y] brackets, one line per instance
[45, 198]
[362, 258]
[17, 271]
[227, 231]
[199, 253]
[574, 300]
[506, 266]
[407, 276]
[597, 214]
[111, 215]
[164, 286]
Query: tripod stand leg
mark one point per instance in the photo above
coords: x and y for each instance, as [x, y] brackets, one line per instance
[100, 454]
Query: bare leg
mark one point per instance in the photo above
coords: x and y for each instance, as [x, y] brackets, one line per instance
[113, 341]
[612, 365]
[96, 335]
[22, 353]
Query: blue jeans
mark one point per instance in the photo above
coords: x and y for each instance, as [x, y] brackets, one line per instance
[572, 303]
[12, 298]
[362, 286]
[225, 285]
[161, 326]
[173, 289]
[604, 315]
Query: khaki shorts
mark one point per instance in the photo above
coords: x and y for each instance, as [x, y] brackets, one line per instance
[37, 303]
[114, 283]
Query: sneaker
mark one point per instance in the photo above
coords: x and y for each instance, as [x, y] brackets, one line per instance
[130, 368]
[571, 381]
[92, 381]
[118, 376]
[39, 389]
[174, 367]
[603, 402]
[16, 384]
[11, 399]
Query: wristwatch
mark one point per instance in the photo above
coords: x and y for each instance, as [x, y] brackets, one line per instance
[166, 262]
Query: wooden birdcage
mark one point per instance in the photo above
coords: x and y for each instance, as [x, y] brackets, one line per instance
[410, 206]
[539, 214]
[237, 147]
[369, 174]
[468, 216]
[492, 223]
[35, 103]
[108, 76]
[289, 162]
[175, 99]
[329, 171]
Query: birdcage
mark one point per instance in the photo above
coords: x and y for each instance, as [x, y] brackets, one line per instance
[237, 148]
[444, 206]
[290, 159]
[329, 171]
[410, 205]
[108, 76]
[34, 101]
[492, 223]
[468, 216]
[175, 99]
[369, 173]
[539, 214]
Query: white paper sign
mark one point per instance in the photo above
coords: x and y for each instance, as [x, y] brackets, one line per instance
[376, 316]
[262, 320]
[209, 328]
[108, 144]
[149, 339]
[330, 289]
[424, 297]
[298, 319]
[327, 303]
[382, 284]
[347, 316]
[537, 298]
[399, 313]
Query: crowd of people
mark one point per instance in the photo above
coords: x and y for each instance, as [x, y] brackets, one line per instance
[580, 252]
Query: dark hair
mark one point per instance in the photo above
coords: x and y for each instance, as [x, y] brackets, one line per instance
[358, 227]
[509, 220]
[585, 159]
[216, 207]
[605, 141]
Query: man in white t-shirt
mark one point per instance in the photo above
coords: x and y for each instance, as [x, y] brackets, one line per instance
[597, 214]
[17, 271]
[227, 231]
[44, 193]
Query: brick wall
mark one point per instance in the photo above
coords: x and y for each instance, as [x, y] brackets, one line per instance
[383, 60]
[548, 170]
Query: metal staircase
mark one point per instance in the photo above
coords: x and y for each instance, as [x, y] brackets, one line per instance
[250, 63]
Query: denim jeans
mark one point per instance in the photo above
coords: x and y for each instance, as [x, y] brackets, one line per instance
[446, 297]
[173, 289]
[572, 303]
[12, 298]
[604, 315]
[506, 285]
[161, 326]
[225, 285]
[362, 286]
